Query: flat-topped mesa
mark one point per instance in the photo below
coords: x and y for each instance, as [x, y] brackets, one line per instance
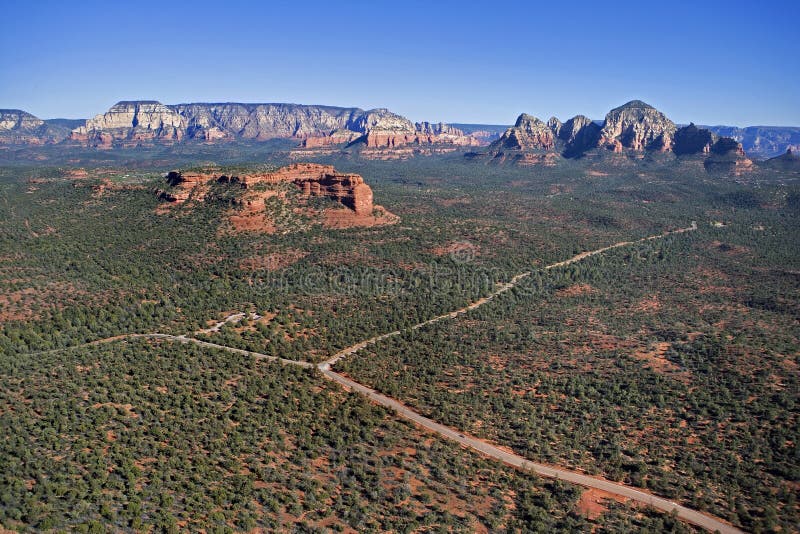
[313, 179]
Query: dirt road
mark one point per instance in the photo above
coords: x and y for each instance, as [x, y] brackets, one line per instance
[687, 514]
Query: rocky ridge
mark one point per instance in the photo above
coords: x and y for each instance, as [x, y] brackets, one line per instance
[762, 141]
[634, 127]
[131, 123]
[19, 127]
[530, 135]
[788, 161]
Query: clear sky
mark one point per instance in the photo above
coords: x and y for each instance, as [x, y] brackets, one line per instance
[707, 61]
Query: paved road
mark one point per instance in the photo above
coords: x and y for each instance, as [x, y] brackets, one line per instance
[687, 514]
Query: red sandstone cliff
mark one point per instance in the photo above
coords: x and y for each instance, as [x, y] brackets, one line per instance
[313, 179]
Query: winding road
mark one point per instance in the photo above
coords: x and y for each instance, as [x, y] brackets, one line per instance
[689, 515]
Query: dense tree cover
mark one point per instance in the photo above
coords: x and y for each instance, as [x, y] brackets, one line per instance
[78, 264]
[170, 437]
[671, 365]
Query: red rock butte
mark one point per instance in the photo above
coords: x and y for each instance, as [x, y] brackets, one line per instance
[314, 180]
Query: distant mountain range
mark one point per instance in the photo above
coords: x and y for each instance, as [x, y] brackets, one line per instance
[762, 141]
[136, 123]
[634, 126]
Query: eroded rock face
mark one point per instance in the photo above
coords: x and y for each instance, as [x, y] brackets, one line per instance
[390, 138]
[185, 185]
[528, 133]
[727, 155]
[693, 140]
[338, 137]
[20, 127]
[144, 122]
[16, 119]
[555, 126]
[266, 121]
[132, 122]
[440, 128]
[579, 134]
[390, 131]
[637, 126]
[313, 179]
[382, 120]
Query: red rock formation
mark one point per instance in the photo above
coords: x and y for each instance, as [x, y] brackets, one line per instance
[389, 139]
[322, 180]
[314, 179]
[183, 185]
[394, 139]
[336, 138]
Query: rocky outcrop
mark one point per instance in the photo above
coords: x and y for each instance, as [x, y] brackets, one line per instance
[720, 154]
[637, 126]
[390, 138]
[579, 134]
[693, 140]
[634, 127]
[313, 179]
[338, 137]
[528, 133]
[522, 142]
[184, 186]
[726, 145]
[350, 190]
[555, 126]
[727, 156]
[440, 128]
[393, 131]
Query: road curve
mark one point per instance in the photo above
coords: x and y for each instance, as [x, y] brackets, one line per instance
[687, 514]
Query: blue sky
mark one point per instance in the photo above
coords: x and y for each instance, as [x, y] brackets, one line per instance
[709, 62]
